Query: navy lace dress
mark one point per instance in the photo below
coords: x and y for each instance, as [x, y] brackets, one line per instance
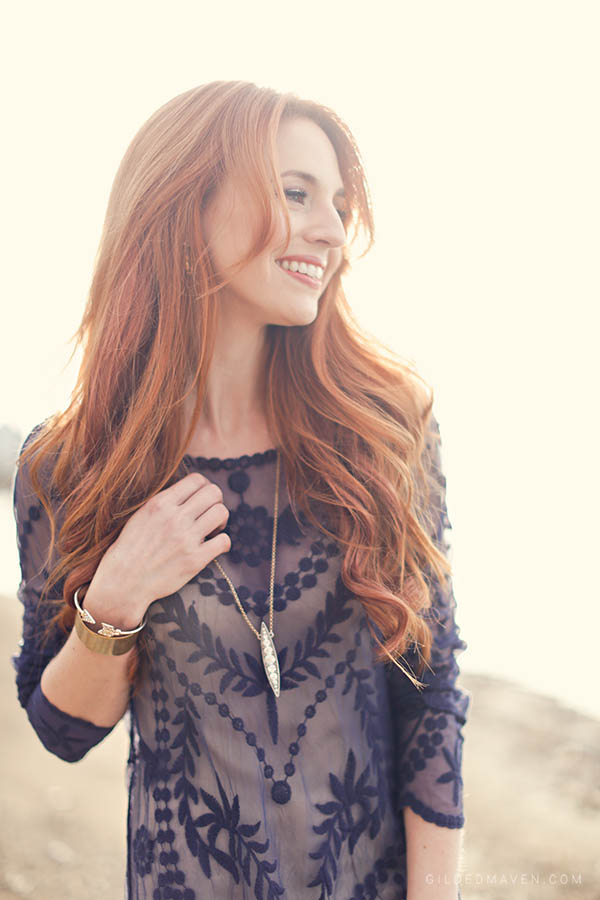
[234, 793]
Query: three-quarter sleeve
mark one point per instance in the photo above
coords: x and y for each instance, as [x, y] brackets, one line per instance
[64, 735]
[426, 723]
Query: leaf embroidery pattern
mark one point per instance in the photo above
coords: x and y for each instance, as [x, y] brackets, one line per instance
[341, 823]
[242, 857]
[251, 680]
[224, 817]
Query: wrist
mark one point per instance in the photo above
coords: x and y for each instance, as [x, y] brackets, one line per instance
[112, 608]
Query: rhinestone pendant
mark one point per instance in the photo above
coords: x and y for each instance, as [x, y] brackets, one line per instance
[269, 658]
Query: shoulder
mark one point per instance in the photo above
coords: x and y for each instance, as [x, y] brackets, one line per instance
[24, 455]
[29, 479]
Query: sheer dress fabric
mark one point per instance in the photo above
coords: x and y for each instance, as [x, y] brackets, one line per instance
[234, 793]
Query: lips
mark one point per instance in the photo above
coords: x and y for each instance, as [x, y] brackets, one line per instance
[302, 267]
[305, 277]
[312, 260]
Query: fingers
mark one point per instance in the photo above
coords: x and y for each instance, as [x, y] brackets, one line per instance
[214, 519]
[185, 488]
[214, 547]
[213, 533]
[198, 503]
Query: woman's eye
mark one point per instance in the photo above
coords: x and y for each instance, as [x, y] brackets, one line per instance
[299, 195]
[295, 194]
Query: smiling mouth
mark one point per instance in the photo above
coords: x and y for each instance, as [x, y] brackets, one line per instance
[312, 275]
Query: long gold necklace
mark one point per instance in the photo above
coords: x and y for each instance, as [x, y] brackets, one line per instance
[265, 638]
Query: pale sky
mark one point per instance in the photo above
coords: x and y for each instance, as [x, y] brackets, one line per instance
[478, 126]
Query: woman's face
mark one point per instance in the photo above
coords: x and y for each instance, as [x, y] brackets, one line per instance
[266, 291]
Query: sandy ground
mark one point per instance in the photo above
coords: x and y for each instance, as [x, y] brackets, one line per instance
[532, 795]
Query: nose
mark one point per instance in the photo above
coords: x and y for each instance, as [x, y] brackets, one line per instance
[325, 226]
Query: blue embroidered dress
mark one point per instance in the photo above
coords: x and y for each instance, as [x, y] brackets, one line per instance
[234, 793]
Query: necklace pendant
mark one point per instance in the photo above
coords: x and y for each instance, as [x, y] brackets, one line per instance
[269, 658]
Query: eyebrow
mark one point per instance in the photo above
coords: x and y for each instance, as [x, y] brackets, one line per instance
[306, 176]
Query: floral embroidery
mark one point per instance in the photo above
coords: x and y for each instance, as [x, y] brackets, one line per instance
[250, 531]
[143, 851]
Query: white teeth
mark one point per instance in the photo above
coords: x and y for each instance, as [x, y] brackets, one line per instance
[302, 267]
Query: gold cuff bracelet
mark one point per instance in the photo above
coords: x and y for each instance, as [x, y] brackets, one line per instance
[105, 639]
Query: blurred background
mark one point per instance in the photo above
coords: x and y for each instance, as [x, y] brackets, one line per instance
[478, 125]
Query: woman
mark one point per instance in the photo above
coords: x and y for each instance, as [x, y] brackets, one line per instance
[236, 529]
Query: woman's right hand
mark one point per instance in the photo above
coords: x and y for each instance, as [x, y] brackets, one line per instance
[161, 547]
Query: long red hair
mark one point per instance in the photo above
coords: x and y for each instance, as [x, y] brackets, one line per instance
[349, 416]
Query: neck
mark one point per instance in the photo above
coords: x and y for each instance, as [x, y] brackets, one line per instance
[233, 418]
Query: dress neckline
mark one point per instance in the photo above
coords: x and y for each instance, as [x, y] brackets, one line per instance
[214, 463]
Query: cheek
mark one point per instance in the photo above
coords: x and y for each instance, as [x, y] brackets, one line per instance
[279, 245]
[335, 260]
[231, 248]
[259, 277]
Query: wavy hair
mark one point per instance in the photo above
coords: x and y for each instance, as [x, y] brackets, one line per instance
[354, 453]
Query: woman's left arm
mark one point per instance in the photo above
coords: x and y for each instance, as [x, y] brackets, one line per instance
[427, 728]
[433, 856]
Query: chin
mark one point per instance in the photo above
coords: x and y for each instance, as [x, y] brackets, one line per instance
[300, 316]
